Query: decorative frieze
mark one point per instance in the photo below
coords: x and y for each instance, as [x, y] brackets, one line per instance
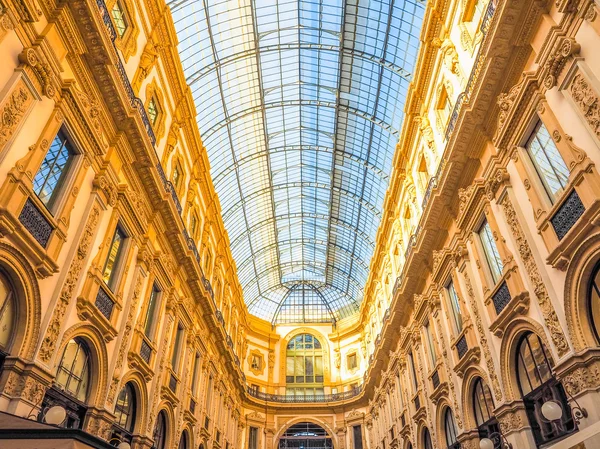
[541, 292]
[483, 342]
[125, 339]
[13, 110]
[68, 289]
[586, 99]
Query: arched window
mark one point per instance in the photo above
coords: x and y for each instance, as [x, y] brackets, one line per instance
[538, 385]
[73, 371]
[71, 385]
[450, 429]
[304, 366]
[160, 431]
[483, 409]
[8, 314]
[125, 415]
[427, 444]
[594, 302]
[183, 441]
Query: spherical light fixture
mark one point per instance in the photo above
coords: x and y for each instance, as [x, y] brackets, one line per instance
[551, 410]
[486, 443]
[124, 445]
[55, 415]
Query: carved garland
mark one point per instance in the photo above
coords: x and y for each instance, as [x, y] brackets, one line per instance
[489, 362]
[73, 276]
[153, 409]
[550, 317]
[457, 414]
[587, 100]
[13, 111]
[114, 386]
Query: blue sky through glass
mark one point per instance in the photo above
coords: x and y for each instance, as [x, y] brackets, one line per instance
[300, 104]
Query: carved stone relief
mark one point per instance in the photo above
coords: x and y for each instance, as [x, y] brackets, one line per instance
[541, 292]
[68, 289]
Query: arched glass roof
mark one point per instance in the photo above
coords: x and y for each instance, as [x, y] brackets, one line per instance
[300, 105]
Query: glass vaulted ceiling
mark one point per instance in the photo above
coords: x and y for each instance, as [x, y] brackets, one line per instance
[300, 105]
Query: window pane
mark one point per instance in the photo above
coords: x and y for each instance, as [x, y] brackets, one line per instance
[119, 19]
[299, 366]
[151, 313]
[455, 308]
[290, 366]
[152, 111]
[47, 180]
[491, 251]
[308, 366]
[548, 162]
[113, 258]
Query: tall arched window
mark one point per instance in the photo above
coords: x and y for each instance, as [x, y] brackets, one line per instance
[125, 409]
[71, 385]
[183, 441]
[538, 385]
[304, 366]
[450, 429]
[160, 432]
[594, 302]
[427, 444]
[483, 409]
[8, 314]
[73, 371]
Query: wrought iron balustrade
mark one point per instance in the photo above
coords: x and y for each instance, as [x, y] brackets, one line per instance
[133, 99]
[145, 351]
[289, 399]
[567, 215]
[435, 379]
[417, 402]
[173, 383]
[462, 347]
[464, 96]
[36, 223]
[501, 298]
[104, 303]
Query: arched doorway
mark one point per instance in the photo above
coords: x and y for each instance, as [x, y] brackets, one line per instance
[305, 435]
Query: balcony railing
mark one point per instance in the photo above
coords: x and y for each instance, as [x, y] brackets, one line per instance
[133, 100]
[289, 399]
[466, 94]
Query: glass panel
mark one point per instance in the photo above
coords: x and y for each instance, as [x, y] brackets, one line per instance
[483, 404]
[112, 261]
[430, 346]
[308, 367]
[450, 427]
[290, 366]
[152, 111]
[319, 365]
[73, 371]
[52, 172]
[299, 369]
[300, 105]
[548, 162]
[455, 308]
[177, 348]
[491, 251]
[119, 18]
[317, 344]
[150, 324]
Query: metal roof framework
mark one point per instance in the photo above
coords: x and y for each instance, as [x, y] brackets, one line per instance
[300, 104]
